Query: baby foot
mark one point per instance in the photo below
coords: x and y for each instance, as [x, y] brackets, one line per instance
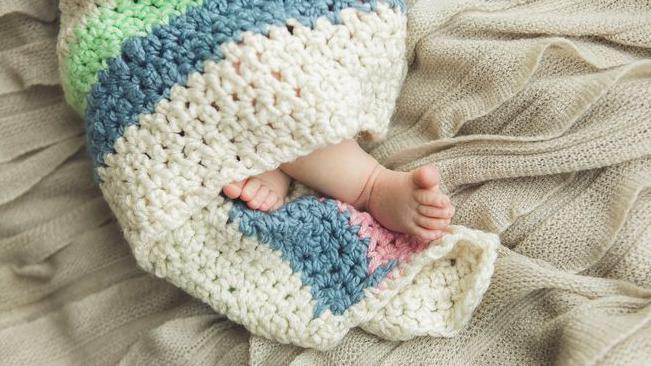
[264, 192]
[408, 202]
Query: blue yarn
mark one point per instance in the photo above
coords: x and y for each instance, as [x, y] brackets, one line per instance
[149, 66]
[320, 244]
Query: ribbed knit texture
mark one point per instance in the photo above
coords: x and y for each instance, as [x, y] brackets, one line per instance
[543, 110]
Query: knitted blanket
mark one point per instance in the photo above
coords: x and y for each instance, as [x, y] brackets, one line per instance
[537, 114]
[183, 97]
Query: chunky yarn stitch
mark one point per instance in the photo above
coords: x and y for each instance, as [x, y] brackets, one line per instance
[182, 97]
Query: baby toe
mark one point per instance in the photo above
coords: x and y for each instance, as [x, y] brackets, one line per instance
[435, 211]
[426, 177]
[426, 234]
[259, 198]
[431, 224]
[431, 197]
[233, 190]
[269, 202]
[250, 189]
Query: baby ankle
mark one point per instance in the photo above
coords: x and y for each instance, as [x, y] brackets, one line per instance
[362, 201]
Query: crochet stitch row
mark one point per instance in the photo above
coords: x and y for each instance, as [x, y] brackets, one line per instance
[101, 34]
[331, 255]
[110, 23]
[154, 57]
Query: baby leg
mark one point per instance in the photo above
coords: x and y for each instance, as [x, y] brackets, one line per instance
[407, 202]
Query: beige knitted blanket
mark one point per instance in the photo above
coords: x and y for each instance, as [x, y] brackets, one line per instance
[538, 114]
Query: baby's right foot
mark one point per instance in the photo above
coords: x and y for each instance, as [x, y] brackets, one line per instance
[408, 202]
[264, 192]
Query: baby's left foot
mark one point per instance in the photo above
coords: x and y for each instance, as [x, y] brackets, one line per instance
[408, 202]
[264, 192]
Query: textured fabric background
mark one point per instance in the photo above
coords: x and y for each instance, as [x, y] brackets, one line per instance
[538, 114]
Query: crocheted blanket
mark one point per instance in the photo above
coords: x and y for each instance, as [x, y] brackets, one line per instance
[182, 97]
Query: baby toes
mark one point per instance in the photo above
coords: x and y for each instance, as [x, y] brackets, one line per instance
[250, 190]
[431, 197]
[432, 224]
[427, 234]
[233, 190]
[269, 202]
[436, 212]
[426, 177]
[259, 198]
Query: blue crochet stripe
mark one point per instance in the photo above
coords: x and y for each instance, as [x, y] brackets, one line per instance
[319, 243]
[149, 66]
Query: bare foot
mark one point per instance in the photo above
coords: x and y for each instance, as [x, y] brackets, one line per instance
[264, 192]
[408, 202]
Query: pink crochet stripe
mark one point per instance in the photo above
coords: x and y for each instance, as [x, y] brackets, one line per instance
[384, 245]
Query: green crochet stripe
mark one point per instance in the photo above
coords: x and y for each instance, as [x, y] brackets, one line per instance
[102, 36]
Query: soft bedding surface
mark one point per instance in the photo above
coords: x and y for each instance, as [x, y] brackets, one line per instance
[538, 114]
